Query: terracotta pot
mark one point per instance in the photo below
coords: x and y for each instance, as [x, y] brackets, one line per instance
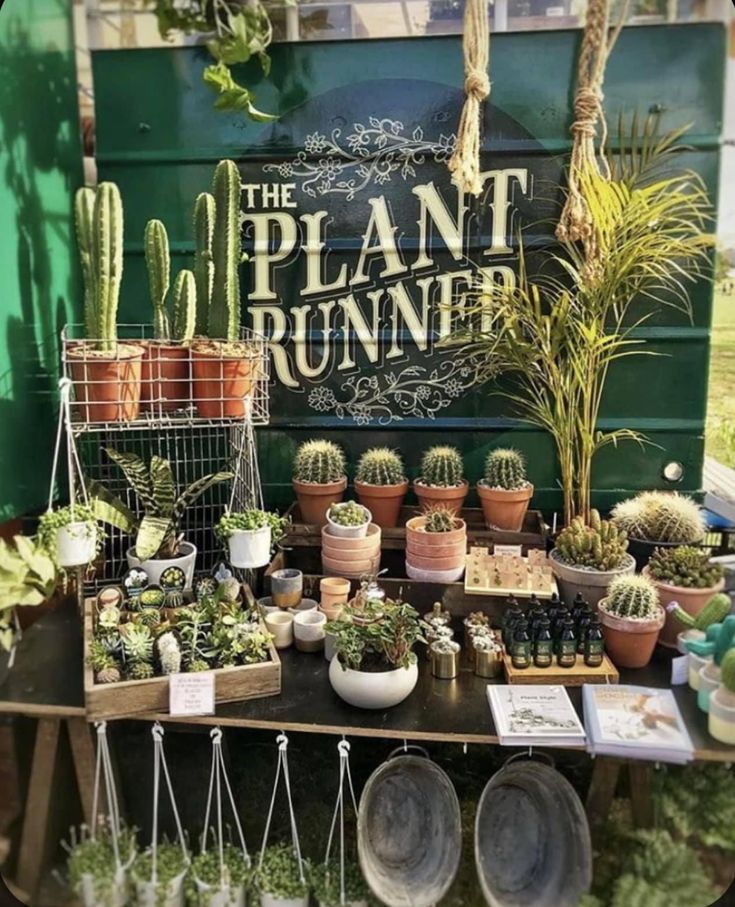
[370, 540]
[435, 556]
[691, 600]
[383, 501]
[223, 377]
[106, 387]
[165, 376]
[332, 612]
[424, 548]
[315, 499]
[591, 584]
[351, 569]
[350, 557]
[441, 496]
[629, 643]
[434, 562]
[416, 534]
[334, 590]
[504, 509]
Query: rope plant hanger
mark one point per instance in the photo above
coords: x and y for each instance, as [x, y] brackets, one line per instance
[465, 161]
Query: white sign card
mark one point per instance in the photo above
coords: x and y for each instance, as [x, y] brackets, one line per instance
[508, 550]
[191, 694]
[679, 670]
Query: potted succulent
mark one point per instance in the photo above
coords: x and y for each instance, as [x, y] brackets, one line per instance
[436, 546]
[684, 575]
[381, 484]
[105, 373]
[70, 535]
[152, 597]
[504, 490]
[588, 557]
[442, 482]
[374, 665]
[319, 479]
[714, 612]
[94, 875]
[721, 721]
[658, 519]
[250, 536]
[631, 619]
[220, 883]
[281, 879]
[167, 890]
[326, 884]
[159, 543]
[348, 520]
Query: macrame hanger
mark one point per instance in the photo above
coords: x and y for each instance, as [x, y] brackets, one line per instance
[282, 741]
[103, 772]
[159, 762]
[72, 457]
[343, 748]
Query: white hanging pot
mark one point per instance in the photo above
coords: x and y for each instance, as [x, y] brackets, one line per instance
[108, 892]
[270, 900]
[218, 896]
[250, 548]
[155, 566]
[153, 895]
[76, 544]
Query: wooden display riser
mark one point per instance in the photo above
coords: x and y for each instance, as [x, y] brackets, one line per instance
[567, 677]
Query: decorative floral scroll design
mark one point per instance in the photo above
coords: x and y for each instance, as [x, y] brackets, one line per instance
[416, 391]
[372, 155]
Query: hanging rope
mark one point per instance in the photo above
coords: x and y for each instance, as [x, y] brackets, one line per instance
[465, 161]
[72, 457]
[282, 741]
[343, 748]
[159, 762]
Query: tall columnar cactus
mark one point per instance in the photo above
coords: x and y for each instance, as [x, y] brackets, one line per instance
[633, 597]
[319, 462]
[224, 312]
[84, 217]
[442, 466]
[184, 305]
[380, 466]
[204, 216]
[601, 545]
[158, 263]
[714, 612]
[661, 516]
[505, 468]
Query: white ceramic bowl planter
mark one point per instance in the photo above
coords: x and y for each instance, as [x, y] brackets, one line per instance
[155, 566]
[76, 544]
[348, 532]
[372, 690]
[250, 548]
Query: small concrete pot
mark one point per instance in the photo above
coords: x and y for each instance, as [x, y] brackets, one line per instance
[280, 624]
[287, 587]
[308, 631]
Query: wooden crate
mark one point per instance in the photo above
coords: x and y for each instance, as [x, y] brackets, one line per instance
[133, 697]
[568, 677]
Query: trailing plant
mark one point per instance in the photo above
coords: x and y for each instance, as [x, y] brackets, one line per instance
[170, 864]
[96, 859]
[697, 803]
[51, 521]
[557, 338]
[206, 868]
[685, 566]
[326, 884]
[251, 520]
[505, 468]
[440, 519]
[632, 597]
[204, 215]
[441, 466]
[278, 873]
[158, 531]
[348, 514]
[380, 639]
[714, 612]
[380, 466]
[224, 310]
[28, 576]
[599, 545]
[319, 462]
[661, 516]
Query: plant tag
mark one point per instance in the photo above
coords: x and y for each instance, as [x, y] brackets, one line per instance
[508, 550]
[191, 694]
[679, 670]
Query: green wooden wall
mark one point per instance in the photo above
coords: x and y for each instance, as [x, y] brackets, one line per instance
[40, 167]
[159, 138]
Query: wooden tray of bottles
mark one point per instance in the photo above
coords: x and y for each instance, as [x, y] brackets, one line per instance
[567, 677]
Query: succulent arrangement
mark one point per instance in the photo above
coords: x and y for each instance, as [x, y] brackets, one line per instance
[51, 521]
[601, 545]
[687, 567]
[250, 521]
[348, 514]
[442, 467]
[440, 519]
[319, 462]
[632, 597]
[380, 466]
[505, 468]
[279, 873]
[661, 516]
[714, 612]
[379, 637]
[326, 879]
[28, 576]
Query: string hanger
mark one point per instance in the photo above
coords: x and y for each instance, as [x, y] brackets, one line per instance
[282, 767]
[72, 457]
[159, 764]
[343, 748]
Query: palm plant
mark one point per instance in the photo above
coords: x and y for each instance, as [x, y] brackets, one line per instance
[557, 337]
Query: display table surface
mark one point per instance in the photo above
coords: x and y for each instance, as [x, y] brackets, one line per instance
[46, 680]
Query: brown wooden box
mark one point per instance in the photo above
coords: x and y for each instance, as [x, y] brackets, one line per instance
[133, 697]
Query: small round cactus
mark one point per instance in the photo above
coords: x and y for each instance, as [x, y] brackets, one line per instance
[599, 546]
[727, 671]
[505, 468]
[661, 516]
[348, 514]
[319, 462]
[442, 466]
[687, 567]
[140, 670]
[439, 519]
[110, 674]
[380, 466]
[169, 653]
[633, 597]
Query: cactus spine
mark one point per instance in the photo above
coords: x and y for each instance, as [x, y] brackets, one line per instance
[319, 462]
[442, 466]
[380, 466]
[714, 612]
[158, 263]
[84, 216]
[686, 567]
[633, 597]
[184, 305]
[505, 468]
[224, 313]
[661, 516]
[204, 215]
[601, 545]
[439, 519]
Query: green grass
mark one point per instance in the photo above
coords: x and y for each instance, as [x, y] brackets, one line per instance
[720, 434]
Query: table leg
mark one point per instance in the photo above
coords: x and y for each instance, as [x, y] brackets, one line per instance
[641, 801]
[605, 775]
[84, 759]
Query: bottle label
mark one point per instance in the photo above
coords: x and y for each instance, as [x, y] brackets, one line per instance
[593, 650]
[567, 653]
[521, 655]
[543, 656]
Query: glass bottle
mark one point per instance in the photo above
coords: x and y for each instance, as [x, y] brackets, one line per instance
[512, 615]
[521, 649]
[543, 647]
[562, 614]
[594, 645]
[566, 652]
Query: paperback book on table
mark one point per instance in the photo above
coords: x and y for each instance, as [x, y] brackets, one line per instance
[635, 723]
[534, 715]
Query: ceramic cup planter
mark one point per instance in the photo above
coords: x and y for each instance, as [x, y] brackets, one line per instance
[590, 584]
[629, 643]
[372, 690]
[690, 600]
[449, 496]
[280, 625]
[685, 636]
[165, 377]
[721, 722]
[287, 587]
[383, 501]
[223, 378]
[336, 530]
[270, 900]
[267, 607]
[435, 557]
[106, 385]
[315, 499]
[219, 896]
[250, 548]
[504, 509]
[155, 566]
[76, 543]
[308, 630]
[334, 590]
[696, 664]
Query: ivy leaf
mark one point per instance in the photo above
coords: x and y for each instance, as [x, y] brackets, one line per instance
[233, 96]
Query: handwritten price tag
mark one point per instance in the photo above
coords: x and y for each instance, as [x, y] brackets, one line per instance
[191, 694]
[508, 550]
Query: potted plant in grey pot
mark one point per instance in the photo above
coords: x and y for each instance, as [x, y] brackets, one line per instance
[658, 519]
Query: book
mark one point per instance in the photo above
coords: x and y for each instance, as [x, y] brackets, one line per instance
[534, 715]
[636, 723]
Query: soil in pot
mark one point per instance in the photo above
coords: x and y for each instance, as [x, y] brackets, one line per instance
[451, 496]
[504, 509]
[165, 377]
[629, 643]
[590, 584]
[315, 499]
[223, 377]
[383, 501]
[106, 385]
[690, 600]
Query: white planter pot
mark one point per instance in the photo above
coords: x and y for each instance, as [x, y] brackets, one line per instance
[721, 722]
[155, 567]
[696, 663]
[349, 532]
[76, 544]
[250, 548]
[372, 691]
[434, 576]
[150, 895]
[216, 896]
[308, 630]
[269, 900]
[280, 624]
[95, 893]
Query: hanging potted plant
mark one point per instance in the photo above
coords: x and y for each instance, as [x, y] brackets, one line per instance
[504, 490]
[159, 542]
[684, 575]
[436, 546]
[280, 878]
[588, 557]
[348, 520]
[658, 519]
[442, 482]
[250, 536]
[70, 535]
[374, 665]
[166, 887]
[95, 876]
[381, 485]
[327, 887]
[319, 479]
[221, 884]
[631, 619]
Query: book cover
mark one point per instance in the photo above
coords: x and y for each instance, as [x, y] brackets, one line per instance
[525, 714]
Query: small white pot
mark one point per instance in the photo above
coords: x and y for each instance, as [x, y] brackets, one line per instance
[280, 624]
[372, 691]
[155, 567]
[696, 663]
[269, 900]
[216, 896]
[76, 544]
[721, 722]
[150, 895]
[349, 532]
[308, 630]
[250, 548]
[114, 893]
